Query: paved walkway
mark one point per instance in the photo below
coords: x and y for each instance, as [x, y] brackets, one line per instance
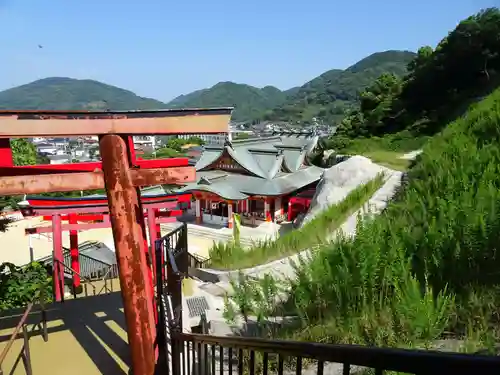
[86, 337]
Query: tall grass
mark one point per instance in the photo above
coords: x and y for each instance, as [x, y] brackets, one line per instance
[428, 267]
[233, 256]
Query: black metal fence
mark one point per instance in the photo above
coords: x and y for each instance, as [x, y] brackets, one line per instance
[212, 355]
[171, 256]
[203, 354]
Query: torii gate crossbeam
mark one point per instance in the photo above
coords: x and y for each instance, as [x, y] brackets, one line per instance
[121, 179]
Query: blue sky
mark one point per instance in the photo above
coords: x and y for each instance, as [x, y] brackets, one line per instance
[162, 48]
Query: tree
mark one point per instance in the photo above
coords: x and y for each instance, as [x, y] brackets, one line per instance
[439, 86]
[23, 152]
[195, 141]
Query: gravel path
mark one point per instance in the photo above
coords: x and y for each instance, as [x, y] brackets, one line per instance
[411, 155]
[282, 268]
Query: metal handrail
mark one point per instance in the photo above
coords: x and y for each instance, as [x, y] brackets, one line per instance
[409, 361]
[25, 351]
[89, 280]
[78, 274]
[197, 261]
[105, 278]
[88, 263]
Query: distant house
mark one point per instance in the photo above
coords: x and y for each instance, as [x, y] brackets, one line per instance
[46, 149]
[144, 141]
[59, 159]
[211, 139]
[80, 152]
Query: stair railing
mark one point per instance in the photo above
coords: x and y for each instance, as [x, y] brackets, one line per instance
[110, 273]
[22, 328]
[88, 280]
[209, 355]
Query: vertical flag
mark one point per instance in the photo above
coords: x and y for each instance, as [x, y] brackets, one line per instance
[236, 228]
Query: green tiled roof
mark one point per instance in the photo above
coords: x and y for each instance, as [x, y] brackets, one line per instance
[149, 191]
[259, 156]
[276, 165]
[233, 186]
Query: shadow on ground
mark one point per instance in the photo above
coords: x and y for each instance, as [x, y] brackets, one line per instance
[97, 324]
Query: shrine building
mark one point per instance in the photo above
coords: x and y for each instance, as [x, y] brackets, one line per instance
[253, 177]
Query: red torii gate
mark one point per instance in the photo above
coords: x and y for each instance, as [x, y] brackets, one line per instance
[121, 174]
[92, 213]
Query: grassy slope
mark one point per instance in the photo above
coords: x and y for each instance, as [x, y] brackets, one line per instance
[385, 151]
[427, 265]
[232, 256]
[441, 234]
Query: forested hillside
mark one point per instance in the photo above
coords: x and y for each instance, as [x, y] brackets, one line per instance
[326, 97]
[440, 84]
[249, 102]
[67, 93]
[330, 95]
[423, 273]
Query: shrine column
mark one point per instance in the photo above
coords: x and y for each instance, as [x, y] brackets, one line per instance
[278, 210]
[267, 213]
[229, 215]
[199, 218]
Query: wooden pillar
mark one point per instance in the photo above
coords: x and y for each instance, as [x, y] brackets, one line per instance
[199, 217]
[74, 252]
[229, 215]
[126, 218]
[58, 258]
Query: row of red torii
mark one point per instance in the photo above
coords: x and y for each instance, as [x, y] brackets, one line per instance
[121, 174]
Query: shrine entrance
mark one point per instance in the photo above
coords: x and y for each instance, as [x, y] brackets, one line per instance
[121, 174]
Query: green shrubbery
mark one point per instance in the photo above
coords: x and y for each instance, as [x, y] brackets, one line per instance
[233, 256]
[403, 141]
[425, 268]
[19, 285]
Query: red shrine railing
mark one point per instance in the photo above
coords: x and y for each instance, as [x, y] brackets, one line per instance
[121, 174]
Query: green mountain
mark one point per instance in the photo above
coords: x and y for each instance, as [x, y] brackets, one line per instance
[328, 96]
[249, 101]
[67, 93]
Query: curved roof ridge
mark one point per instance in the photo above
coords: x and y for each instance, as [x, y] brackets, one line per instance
[263, 151]
[291, 147]
[269, 163]
[293, 162]
[312, 144]
[208, 156]
[244, 142]
[248, 163]
[277, 166]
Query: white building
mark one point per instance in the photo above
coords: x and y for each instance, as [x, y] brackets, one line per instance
[217, 139]
[59, 159]
[145, 141]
